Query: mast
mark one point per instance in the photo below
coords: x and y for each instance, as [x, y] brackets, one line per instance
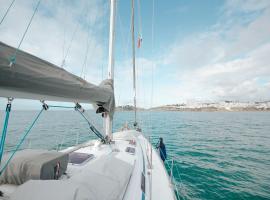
[134, 67]
[108, 119]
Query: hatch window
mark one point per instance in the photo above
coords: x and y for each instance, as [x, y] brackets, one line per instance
[130, 150]
[79, 158]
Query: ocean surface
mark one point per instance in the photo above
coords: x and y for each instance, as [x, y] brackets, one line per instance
[217, 155]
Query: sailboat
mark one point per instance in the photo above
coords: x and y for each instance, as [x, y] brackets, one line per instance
[117, 166]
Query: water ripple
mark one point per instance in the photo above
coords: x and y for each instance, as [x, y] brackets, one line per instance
[218, 155]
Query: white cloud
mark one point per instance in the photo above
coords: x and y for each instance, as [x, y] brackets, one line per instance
[230, 60]
[244, 6]
[195, 51]
[52, 28]
[236, 79]
[51, 31]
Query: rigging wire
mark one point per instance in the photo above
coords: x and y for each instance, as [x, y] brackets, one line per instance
[139, 44]
[140, 24]
[13, 58]
[105, 40]
[170, 168]
[64, 25]
[77, 108]
[181, 182]
[83, 71]
[10, 5]
[150, 99]
[44, 107]
[22, 140]
[152, 68]
[152, 95]
[152, 51]
[72, 39]
[125, 42]
[88, 42]
[139, 16]
[92, 128]
[134, 68]
[4, 131]
[70, 44]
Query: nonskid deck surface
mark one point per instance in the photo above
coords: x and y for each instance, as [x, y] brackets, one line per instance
[121, 170]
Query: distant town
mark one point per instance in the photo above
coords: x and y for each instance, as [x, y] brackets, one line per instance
[226, 106]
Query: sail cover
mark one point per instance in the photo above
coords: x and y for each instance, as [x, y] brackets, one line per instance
[105, 179]
[33, 78]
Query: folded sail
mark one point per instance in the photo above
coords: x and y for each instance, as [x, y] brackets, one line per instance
[33, 78]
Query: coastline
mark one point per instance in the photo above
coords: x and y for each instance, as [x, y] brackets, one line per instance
[227, 106]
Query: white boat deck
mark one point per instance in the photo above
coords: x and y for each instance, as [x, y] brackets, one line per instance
[141, 181]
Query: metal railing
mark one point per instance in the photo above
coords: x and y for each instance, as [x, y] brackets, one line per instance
[171, 168]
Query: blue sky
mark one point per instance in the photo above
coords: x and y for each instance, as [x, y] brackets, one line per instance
[200, 50]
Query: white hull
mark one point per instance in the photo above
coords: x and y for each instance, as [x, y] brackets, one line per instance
[126, 184]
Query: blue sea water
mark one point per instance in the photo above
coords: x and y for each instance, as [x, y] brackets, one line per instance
[217, 155]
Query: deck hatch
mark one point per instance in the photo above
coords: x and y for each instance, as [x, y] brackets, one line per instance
[79, 158]
[130, 150]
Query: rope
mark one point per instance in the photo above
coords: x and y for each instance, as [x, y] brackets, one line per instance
[21, 141]
[13, 58]
[51, 106]
[7, 12]
[4, 132]
[92, 128]
[152, 47]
